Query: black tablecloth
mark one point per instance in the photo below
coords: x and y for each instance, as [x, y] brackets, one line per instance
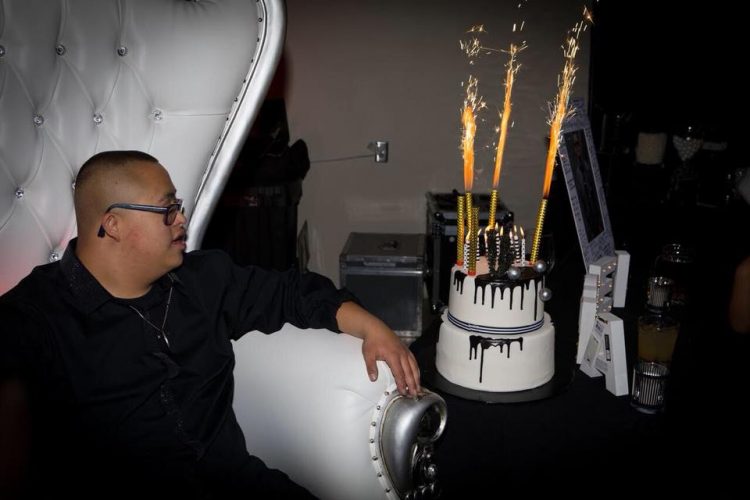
[583, 439]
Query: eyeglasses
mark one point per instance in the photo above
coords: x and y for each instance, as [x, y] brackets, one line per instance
[170, 211]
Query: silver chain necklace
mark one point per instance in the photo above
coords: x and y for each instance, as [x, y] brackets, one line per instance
[163, 321]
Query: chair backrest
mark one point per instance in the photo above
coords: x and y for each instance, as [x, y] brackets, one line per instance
[181, 80]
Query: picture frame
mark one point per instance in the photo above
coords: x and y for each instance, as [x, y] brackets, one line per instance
[605, 354]
[583, 181]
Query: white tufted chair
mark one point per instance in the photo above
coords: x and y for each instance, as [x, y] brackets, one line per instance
[183, 80]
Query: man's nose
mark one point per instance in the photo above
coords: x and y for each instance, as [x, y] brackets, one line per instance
[181, 218]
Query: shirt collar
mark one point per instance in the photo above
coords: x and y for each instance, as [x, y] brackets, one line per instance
[88, 293]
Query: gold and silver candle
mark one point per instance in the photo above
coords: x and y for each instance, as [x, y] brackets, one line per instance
[472, 257]
[460, 234]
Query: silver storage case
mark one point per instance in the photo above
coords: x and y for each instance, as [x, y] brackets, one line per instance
[386, 273]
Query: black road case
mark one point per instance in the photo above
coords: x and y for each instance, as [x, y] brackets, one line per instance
[386, 273]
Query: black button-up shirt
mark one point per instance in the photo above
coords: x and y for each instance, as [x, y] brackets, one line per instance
[111, 397]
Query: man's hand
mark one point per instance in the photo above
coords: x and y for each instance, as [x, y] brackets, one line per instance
[380, 343]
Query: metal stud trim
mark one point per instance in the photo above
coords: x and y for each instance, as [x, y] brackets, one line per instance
[374, 441]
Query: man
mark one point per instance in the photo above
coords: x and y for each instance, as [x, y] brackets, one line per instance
[121, 351]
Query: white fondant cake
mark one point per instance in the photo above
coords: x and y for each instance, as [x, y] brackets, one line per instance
[495, 335]
[480, 304]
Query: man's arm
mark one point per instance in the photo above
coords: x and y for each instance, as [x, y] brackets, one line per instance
[380, 343]
[258, 299]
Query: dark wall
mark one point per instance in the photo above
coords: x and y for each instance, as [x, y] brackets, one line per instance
[668, 62]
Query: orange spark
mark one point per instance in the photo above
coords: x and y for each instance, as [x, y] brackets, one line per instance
[467, 144]
[510, 75]
[560, 109]
[468, 121]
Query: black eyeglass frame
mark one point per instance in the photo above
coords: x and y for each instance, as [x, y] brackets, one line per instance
[169, 211]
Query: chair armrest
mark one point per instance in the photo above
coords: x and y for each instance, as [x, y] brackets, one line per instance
[307, 407]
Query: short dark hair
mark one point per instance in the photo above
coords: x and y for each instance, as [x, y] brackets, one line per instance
[117, 158]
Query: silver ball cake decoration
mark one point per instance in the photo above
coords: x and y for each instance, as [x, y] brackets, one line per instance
[514, 273]
[540, 266]
[545, 294]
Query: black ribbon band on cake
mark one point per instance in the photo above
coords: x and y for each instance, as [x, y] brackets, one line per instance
[470, 327]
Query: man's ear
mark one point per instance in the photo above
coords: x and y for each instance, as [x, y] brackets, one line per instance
[109, 227]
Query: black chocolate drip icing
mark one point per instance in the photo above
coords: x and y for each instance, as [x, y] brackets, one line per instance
[458, 280]
[486, 279]
[485, 342]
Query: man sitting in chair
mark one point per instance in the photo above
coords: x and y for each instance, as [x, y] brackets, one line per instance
[121, 351]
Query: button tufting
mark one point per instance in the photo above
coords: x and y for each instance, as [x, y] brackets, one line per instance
[54, 257]
[2, 51]
[38, 120]
[157, 114]
[60, 49]
[19, 193]
[431, 472]
[73, 185]
[98, 118]
[122, 50]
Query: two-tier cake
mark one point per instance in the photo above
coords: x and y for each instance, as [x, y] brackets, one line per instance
[495, 334]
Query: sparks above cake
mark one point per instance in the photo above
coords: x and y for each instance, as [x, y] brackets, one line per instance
[495, 334]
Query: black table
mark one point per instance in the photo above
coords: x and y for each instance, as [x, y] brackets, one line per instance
[581, 439]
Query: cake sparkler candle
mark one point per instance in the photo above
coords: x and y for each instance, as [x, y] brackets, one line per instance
[468, 121]
[511, 68]
[472, 257]
[460, 234]
[559, 111]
